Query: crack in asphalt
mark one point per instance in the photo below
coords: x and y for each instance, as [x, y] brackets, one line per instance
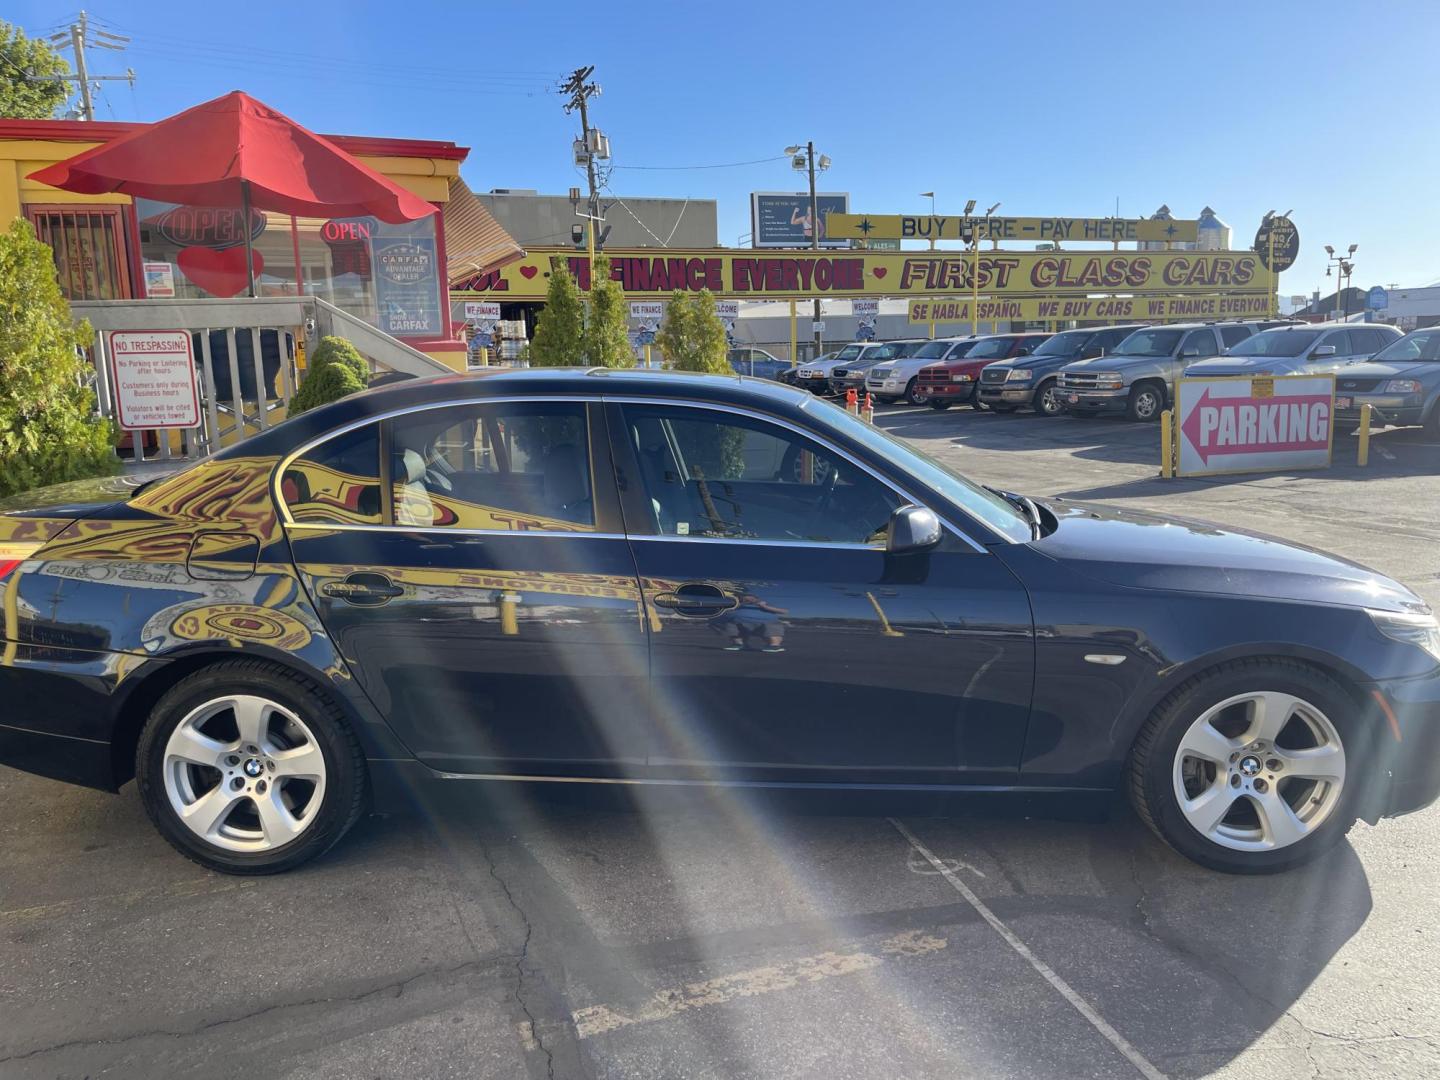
[519, 991]
[395, 989]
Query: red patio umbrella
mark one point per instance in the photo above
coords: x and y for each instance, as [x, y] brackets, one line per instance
[237, 151]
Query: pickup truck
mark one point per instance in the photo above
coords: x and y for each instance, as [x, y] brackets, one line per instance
[1032, 380]
[952, 382]
[1138, 377]
[814, 375]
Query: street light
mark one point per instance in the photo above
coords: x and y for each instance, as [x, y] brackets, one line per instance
[803, 158]
[1346, 269]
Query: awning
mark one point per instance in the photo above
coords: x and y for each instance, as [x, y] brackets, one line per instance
[475, 243]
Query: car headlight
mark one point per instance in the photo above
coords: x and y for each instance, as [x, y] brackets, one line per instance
[1109, 382]
[1420, 630]
[1403, 386]
[960, 376]
[1019, 374]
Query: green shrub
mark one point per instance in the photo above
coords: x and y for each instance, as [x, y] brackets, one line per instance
[49, 430]
[692, 336]
[606, 342]
[561, 324]
[335, 370]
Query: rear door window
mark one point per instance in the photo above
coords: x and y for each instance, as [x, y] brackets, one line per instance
[1233, 335]
[337, 482]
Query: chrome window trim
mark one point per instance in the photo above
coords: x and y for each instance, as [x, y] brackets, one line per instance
[288, 522]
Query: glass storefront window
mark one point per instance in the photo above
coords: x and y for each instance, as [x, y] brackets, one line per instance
[388, 275]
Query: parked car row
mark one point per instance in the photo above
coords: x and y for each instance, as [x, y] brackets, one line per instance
[1131, 369]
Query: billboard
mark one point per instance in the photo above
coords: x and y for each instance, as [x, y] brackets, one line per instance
[1109, 308]
[1046, 229]
[781, 219]
[648, 273]
[1239, 424]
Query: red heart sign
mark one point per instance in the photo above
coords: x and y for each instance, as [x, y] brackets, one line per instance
[879, 271]
[219, 273]
[527, 272]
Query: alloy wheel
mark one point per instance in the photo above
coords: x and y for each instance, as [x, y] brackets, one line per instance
[1048, 404]
[244, 773]
[1259, 771]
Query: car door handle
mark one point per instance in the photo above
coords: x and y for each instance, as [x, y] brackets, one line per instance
[364, 589]
[696, 601]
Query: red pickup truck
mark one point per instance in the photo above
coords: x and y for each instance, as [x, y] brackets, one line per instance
[954, 381]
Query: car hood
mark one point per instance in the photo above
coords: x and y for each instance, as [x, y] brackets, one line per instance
[1372, 369]
[1243, 364]
[1153, 551]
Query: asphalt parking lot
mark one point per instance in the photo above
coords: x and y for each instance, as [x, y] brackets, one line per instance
[720, 935]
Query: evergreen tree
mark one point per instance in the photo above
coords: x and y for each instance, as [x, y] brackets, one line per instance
[335, 370]
[692, 337]
[49, 430]
[606, 340]
[560, 328]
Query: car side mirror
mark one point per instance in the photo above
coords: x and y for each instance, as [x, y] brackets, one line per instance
[1322, 351]
[1190, 352]
[1090, 352]
[912, 528]
[1026, 351]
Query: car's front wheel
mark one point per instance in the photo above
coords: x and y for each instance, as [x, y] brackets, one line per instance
[1047, 399]
[1251, 768]
[1147, 402]
[248, 768]
[912, 393]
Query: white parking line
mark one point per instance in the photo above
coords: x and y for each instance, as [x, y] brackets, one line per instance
[846, 960]
[1083, 1007]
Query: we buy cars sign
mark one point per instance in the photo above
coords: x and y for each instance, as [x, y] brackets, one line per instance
[1254, 424]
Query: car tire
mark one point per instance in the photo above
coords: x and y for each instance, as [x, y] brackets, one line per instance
[288, 774]
[1431, 423]
[939, 404]
[1147, 402]
[1047, 399]
[910, 396]
[1202, 773]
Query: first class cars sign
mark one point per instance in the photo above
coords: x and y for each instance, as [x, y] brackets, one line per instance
[155, 384]
[1241, 424]
[750, 275]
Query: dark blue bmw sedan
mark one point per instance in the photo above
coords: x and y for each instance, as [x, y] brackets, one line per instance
[647, 578]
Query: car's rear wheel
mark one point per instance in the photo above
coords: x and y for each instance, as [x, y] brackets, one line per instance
[1047, 399]
[248, 768]
[912, 394]
[1252, 768]
[1147, 402]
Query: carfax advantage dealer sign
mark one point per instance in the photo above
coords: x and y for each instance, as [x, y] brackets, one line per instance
[1241, 424]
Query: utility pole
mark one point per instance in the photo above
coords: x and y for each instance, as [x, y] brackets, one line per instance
[77, 38]
[814, 241]
[592, 144]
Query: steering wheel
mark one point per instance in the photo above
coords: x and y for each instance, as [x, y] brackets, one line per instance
[827, 494]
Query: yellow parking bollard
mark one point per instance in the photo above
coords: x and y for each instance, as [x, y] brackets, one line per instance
[508, 603]
[1365, 411]
[1167, 444]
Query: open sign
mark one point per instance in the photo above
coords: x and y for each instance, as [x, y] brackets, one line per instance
[339, 230]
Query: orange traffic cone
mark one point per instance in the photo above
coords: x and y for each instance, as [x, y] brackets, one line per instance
[852, 400]
[867, 413]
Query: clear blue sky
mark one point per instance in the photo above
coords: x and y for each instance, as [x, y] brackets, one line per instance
[1053, 108]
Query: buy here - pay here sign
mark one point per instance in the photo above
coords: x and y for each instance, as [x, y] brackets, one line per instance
[1240, 424]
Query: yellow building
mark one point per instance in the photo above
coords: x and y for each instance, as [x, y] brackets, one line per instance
[115, 247]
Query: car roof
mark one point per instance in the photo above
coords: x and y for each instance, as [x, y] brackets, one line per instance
[763, 394]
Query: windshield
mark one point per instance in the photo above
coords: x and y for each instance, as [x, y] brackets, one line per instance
[932, 350]
[876, 353]
[990, 348]
[1422, 345]
[1276, 343]
[909, 348]
[849, 352]
[989, 508]
[1067, 344]
[1149, 343]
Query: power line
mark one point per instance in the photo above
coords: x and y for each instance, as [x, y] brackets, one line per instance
[688, 168]
[76, 37]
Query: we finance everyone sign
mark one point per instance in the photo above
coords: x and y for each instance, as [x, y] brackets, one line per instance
[1241, 424]
[793, 275]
